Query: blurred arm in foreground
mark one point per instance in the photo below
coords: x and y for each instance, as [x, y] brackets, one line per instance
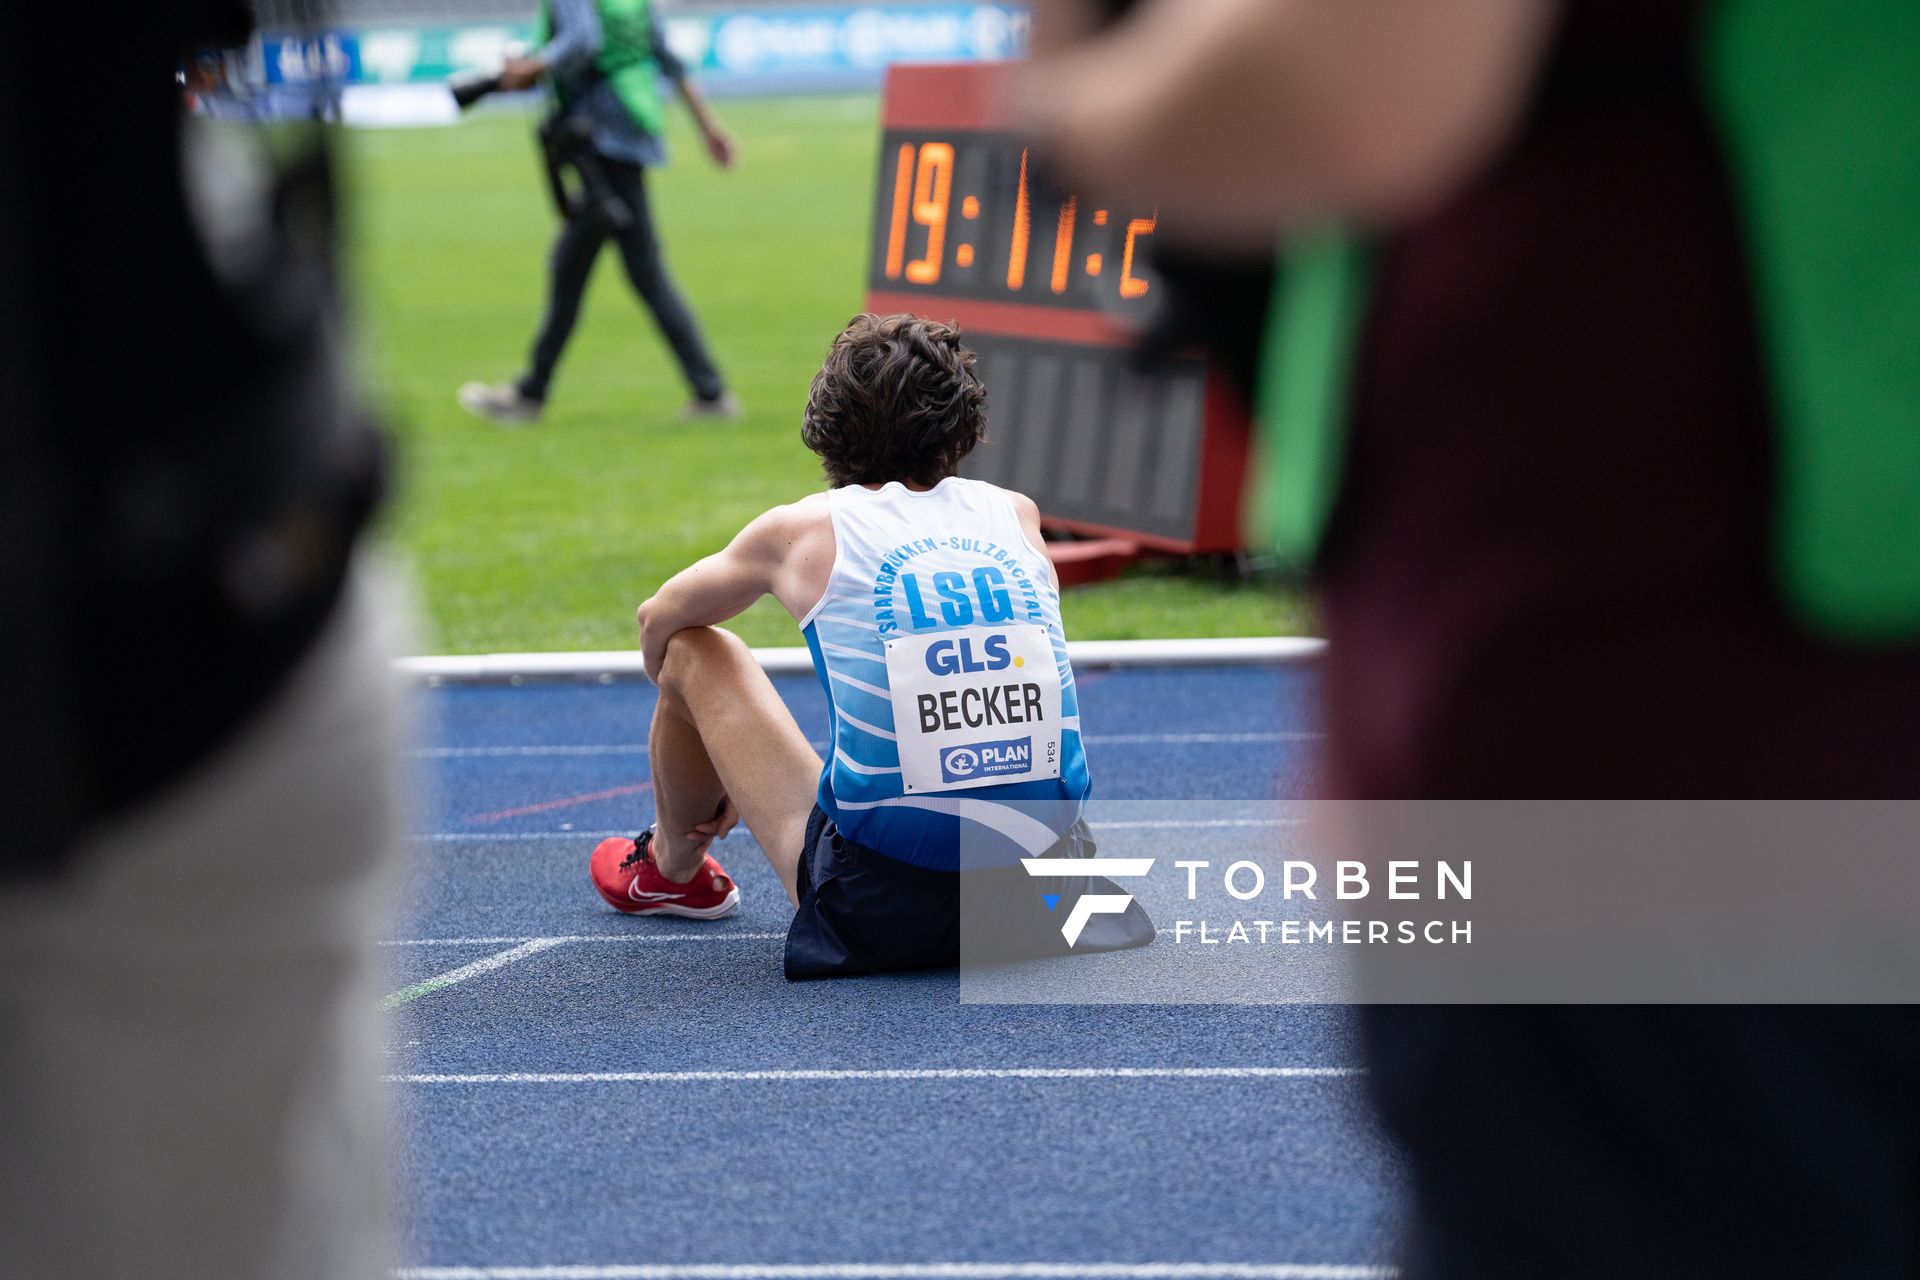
[1238, 117]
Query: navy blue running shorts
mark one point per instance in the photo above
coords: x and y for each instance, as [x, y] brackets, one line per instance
[863, 912]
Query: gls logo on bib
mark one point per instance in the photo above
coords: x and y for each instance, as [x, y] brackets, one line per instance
[950, 690]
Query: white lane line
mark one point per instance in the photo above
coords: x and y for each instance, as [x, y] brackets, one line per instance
[917, 1271]
[661, 938]
[498, 960]
[509, 837]
[886, 1073]
[1177, 739]
[1237, 651]
[1183, 824]
[629, 749]
[482, 753]
[1141, 824]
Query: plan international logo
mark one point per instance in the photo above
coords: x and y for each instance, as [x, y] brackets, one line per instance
[987, 759]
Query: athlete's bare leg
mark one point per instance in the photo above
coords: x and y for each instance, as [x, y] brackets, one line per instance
[722, 736]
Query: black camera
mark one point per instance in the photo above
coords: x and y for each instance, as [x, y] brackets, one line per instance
[566, 144]
[566, 140]
[470, 88]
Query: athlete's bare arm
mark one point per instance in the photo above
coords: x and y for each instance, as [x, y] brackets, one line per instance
[786, 553]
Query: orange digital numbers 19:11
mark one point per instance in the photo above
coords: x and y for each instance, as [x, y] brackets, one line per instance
[947, 206]
[932, 194]
[1132, 286]
[1022, 229]
[922, 192]
[897, 224]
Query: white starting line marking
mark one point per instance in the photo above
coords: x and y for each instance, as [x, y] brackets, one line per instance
[886, 1073]
[661, 938]
[634, 749]
[917, 1271]
[487, 964]
[529, 947]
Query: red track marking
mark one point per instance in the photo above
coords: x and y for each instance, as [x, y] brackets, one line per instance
[548, 806]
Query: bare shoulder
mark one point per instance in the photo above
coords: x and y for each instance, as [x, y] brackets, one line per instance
[796, 541]
[1026, 511]
[778, 531]
[1026, 508]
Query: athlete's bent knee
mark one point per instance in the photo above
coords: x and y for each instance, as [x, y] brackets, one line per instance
[694, 647]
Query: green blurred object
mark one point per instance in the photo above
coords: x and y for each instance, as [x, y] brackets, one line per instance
[1819, 106]
[626, 57]
[546, 538]
[1320, 297]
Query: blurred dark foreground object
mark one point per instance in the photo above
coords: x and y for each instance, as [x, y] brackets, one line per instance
[1551, 549]
[199, 746]
[1550, 572]
[185, 475]
[1216, 302]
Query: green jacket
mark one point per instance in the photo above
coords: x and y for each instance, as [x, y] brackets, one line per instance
[626, 57]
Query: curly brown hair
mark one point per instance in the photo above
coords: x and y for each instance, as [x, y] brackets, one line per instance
[897, 399]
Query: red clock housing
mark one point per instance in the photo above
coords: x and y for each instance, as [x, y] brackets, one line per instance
[1051, 291]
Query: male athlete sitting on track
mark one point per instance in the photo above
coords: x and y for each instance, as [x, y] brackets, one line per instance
[934, 620]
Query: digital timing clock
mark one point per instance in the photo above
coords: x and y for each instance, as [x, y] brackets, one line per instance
[1051, 291]
[961, 216]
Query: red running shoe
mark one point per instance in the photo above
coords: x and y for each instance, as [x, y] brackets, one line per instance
[624, 873]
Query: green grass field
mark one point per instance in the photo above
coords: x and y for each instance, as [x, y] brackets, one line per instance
[545, 538]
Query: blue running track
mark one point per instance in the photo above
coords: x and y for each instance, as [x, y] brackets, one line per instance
[586, 1095]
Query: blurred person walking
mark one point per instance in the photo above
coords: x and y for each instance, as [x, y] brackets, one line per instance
[199, 750]
[1605, 446]
[604, 60]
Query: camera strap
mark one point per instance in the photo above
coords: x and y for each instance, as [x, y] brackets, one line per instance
[566, 140]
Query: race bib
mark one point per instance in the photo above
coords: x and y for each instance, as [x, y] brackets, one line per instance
[975, 708]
